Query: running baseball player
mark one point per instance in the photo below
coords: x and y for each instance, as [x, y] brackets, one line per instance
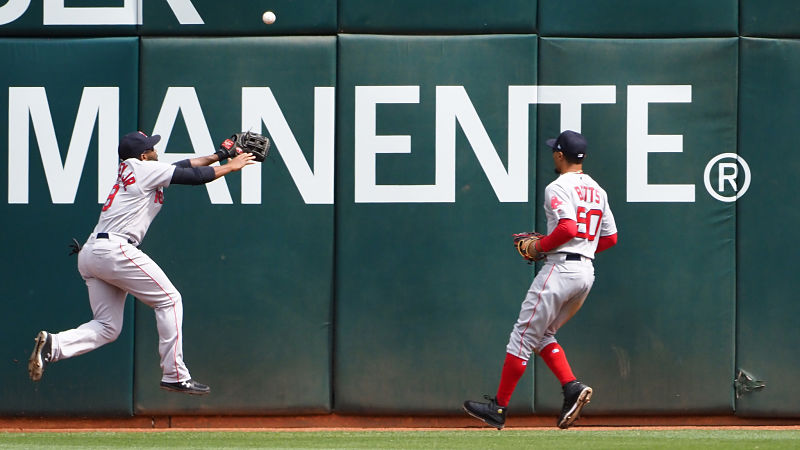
[579, 224]
[113, 266]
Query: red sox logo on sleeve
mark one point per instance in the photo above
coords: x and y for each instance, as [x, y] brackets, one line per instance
[555, 203]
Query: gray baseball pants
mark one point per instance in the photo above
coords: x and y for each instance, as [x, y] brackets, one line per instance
[112, 268]
[556, 294]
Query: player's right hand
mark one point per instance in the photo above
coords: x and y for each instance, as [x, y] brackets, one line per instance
[241, 160]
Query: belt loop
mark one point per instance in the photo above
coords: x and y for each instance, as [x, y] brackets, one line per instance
[116, 238]
[563, 257]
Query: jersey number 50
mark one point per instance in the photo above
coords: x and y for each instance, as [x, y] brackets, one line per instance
[588, 223]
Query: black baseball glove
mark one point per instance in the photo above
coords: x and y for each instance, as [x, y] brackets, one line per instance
[248, 142]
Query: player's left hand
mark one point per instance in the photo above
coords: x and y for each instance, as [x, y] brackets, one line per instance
[526, 245]
[248, 142]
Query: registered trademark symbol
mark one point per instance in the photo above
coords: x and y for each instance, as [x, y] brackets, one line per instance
[727, 177]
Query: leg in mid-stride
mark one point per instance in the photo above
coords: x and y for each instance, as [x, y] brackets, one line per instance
[132, 272]
[489, 412]
[576, 396]
[41, 355]
[186, 387]
[543, 312]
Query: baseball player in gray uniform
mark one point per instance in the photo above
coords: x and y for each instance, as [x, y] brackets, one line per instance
[113, 266]
[579, 225]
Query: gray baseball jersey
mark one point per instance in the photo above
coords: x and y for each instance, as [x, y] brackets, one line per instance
[564, 281]
[576, 196]
[135, 199]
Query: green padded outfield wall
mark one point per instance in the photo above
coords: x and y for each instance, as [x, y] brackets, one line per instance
[239, 17]
[662, 309]
[397, 129]
[638, 18]
[420, 317]
[767, 310]
[257, 308]
[61, 128]
[775, 18]
[437, 17]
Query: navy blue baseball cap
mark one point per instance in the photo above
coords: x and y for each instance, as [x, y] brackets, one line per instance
[135, 143]
[569, 142]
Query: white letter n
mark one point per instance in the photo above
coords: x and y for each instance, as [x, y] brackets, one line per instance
[315, 186]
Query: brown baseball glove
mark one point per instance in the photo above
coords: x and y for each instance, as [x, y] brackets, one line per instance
[525, 243]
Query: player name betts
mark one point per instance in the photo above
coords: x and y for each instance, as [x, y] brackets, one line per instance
[588, 194]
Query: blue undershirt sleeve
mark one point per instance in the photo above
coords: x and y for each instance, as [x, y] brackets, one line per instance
[192, 175]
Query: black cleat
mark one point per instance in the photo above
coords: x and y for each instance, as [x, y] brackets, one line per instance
[491, 412]
[42, 353]
[576, 396]
[186, 387]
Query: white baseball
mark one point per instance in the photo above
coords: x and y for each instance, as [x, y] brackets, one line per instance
[268, 17]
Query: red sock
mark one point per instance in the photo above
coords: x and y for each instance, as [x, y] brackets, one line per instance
[513, 368]
[553, 355]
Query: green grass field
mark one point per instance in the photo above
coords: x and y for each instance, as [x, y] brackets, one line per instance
[444, 439]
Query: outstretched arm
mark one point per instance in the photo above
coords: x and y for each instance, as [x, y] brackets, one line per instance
[186, 172]
[204, 160]
[234, 164]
